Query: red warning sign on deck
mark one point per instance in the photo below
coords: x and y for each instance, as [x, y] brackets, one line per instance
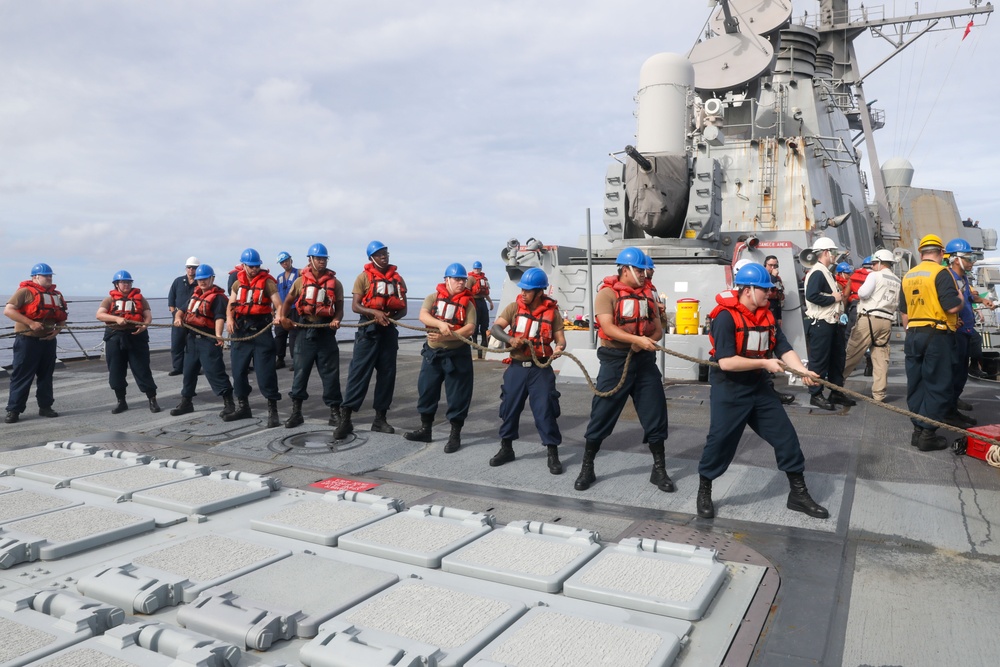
[341, 484]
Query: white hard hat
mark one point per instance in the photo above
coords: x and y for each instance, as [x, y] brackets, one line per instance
[883, 256]
[192, 261]
[824, 243]
[740, 264]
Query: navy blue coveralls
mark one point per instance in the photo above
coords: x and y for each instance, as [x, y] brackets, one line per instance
[34, 360]
[963, 341]
[826, 342]
[260, 351]
[284, 340]
[178, 297]
[523, 380]
[741, 399]
[375, 349]
[203, 353]
[124, 349]
[453, 368]
[643, 384]
[318, 346]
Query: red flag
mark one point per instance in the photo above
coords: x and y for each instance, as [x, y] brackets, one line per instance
[968, 29]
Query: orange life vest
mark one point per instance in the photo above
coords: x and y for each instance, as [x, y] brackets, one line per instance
[386, 291]
[857, 280]
[635, 310]
[46, 303]
[756, 332]
[251, 298]
[844, 283]
[480, 285]
[201, 308]
[316, 298]
[536, 325]
[451, 308]
[128, 306]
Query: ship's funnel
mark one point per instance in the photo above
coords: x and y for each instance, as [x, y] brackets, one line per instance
[897, 172]
[664, 82]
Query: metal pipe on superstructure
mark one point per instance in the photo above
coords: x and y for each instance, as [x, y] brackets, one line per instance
[590, 284]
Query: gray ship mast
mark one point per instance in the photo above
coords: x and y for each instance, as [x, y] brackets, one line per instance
[838, 26]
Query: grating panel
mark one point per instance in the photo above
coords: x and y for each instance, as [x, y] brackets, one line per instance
[208, 557]
[23, 504]
[19, 639]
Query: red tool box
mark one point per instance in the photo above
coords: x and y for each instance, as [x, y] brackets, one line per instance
[976, 447]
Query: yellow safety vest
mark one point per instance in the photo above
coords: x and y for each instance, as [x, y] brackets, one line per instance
[923, 307]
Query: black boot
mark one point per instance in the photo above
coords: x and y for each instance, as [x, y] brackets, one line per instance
[380, 425]
[958, 419]
[242, 413]
[153, 405]
[122, 405]
[346, 427]
[587, 476]
[915, 436]
[422, 434]
[930, 441]
[659, 475]
[295, 419]
[47, 412]
[183, 408]
[228, 407]
[555, 465]
[506, 453]
[840, 398]
[279, 363]
[706, 510]
[272, 414]
[454, 438]
[799, 499]
[334, 416]
[12, 417]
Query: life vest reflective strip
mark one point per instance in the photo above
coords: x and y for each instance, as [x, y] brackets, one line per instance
[386, 291]
[201, 308]
[128, 306]
[923, 305]
[857, 280]
[756, 332]
[46, 303]
[635, 310]
[536, 325]
[316, 298]
[480, 286]
[251, 298]
[451, 308]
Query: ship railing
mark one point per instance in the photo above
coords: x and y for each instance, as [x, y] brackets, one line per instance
[860, 15]
[831, 148]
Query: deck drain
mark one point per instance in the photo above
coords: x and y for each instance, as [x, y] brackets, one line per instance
[315, 442]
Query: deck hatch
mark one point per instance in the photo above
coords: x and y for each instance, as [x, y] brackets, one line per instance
[324, 519]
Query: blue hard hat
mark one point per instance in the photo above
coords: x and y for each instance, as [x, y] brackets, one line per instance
[41, 269]
[204, 271]
[283, 257]
[649, 262]
[867, 261]
[455, 270]
[477, 265]
[958, 245]
[844, 267]
[374, 247]
[533, 278]
[250, 257]
[121, 275]
[753, 275]
[317, 250]
[632, 257]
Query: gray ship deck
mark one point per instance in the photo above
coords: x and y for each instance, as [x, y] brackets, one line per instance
[905, 572]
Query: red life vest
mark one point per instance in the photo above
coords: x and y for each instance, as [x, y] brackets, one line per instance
[128, 305]
[250, 294]
[386, 291]
[536, 325]
[635, 310]
[857, 280]
[46, 303]
[316, 298]
[201, 308]
[756, 332]
[844, 283]
[480, 286]
[451, 308]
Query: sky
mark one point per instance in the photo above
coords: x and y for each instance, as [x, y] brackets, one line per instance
[134, 134]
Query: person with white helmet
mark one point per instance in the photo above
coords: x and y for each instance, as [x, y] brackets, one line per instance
[479, 285]
[379, 296]
[318, 297]
[284, 339]
[254, 309]
[531, 323]
[126, 340]
[447, 312]
[878, 301]
[747, 344]
[825, 341]
[38, 310]
[930, 302]
[177, 299]
[628, 318]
